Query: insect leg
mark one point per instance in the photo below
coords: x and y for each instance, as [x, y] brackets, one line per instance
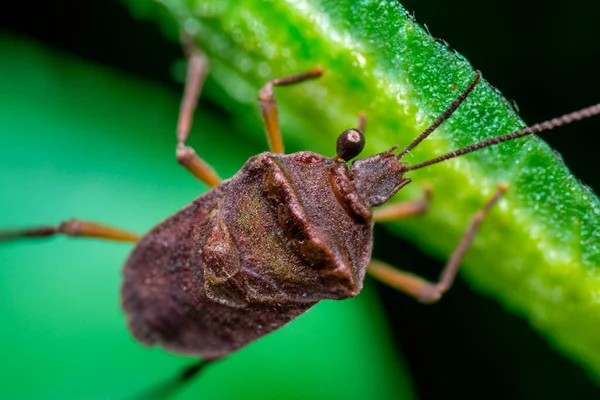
[268, 106]
[197, 68]
[391, 212]
[73, 227]
[421, 289]
[169, 388]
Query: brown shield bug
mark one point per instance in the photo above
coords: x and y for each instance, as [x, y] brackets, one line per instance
[287, 231]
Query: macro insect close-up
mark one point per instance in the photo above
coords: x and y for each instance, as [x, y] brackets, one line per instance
[291, 227]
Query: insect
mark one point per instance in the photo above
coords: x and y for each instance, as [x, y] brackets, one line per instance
[263, 247]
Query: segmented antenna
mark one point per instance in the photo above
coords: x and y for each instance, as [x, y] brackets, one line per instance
[537, 128]
[443, 116]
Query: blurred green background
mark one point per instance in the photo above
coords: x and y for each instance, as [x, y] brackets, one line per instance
[88, 104]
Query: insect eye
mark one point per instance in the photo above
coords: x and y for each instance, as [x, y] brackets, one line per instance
[349, 144]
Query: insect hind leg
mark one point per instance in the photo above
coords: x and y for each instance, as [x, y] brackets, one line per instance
[75, 228]
[169, 388]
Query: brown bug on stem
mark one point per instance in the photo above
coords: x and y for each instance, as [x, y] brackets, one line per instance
[285, 232]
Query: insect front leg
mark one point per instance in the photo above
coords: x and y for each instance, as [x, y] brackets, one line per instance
[391, 212]
[418, 287]
[268, 106]
[197, 69]
[73, 227]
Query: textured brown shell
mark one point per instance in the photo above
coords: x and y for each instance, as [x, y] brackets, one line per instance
[249, 256]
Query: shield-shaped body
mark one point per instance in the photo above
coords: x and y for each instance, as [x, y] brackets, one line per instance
[249, 256]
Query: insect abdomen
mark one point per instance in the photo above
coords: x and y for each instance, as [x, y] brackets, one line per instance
[165, 298]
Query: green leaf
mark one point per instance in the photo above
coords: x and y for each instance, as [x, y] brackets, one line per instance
[538, 252]
[80, 141]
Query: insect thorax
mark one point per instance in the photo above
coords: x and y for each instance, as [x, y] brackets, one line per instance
[297, 227]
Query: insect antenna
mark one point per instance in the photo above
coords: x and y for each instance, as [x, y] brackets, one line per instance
[443, 116]
[537, 128]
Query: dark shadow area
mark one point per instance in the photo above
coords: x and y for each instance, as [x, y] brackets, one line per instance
[99, 31]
